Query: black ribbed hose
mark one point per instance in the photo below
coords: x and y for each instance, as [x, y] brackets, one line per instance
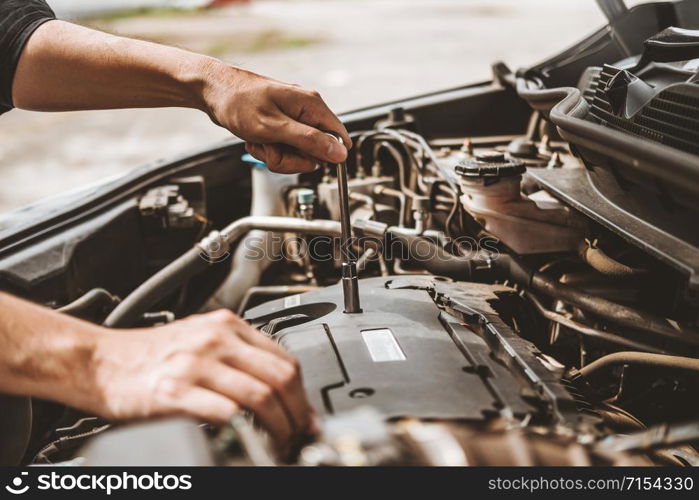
[436, 260]
[160, 285]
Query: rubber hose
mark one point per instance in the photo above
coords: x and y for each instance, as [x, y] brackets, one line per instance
[611, 311]
[90, 300]
[436, 260]
[168, 279]
[161, 284]
[507, 267]
[640, 359]
[597, 259]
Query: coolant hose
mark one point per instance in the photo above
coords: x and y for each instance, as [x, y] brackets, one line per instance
[196, 260]
[158, 286]
[597, 259]
[97, 298]
[640, 359]
[433, 257]
[509, 267]
[613, 312]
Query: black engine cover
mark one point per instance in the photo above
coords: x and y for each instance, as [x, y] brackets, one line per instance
[406, 356]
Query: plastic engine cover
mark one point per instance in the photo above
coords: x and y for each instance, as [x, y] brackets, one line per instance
[403, 355]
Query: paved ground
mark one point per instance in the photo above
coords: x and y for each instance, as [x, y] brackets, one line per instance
[356, 52]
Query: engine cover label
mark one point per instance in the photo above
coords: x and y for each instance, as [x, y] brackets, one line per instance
[382, 345]
[292, 301]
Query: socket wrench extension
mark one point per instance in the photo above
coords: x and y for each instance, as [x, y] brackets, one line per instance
[350, 280]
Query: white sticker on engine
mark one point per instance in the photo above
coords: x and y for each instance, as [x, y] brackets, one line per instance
[292, 301]
[382, 345]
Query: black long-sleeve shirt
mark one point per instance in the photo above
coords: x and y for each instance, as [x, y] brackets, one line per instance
[18, 20]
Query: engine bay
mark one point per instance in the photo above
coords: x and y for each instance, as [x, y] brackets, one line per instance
[526, 257]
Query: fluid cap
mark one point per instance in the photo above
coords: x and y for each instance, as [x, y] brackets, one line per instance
[490, 164]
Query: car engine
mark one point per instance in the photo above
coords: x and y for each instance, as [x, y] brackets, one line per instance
[519, 287]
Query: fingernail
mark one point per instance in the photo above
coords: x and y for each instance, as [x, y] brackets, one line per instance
[337, 152]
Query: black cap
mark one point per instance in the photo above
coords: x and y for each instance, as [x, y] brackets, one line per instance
[490, 164]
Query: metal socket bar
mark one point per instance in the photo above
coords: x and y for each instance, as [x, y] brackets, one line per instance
[350, 280]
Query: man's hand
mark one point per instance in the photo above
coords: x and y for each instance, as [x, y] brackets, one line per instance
[68, 67]
[281, 123]
[209, 366]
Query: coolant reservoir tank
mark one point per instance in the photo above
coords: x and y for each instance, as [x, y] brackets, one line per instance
[492, 194]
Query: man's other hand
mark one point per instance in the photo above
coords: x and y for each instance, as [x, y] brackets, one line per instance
[208, 366]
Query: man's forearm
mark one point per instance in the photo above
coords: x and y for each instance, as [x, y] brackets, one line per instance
[44, 353]
[69, 67]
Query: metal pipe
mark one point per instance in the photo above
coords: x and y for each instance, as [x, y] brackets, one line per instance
[640, 359]
[367, 256]
[662, 436]
[400, 196]
[420, 140]
[364, 199]
[398, 157]
[350, 279]
[234, 231]
[364, 259]
[363, 136]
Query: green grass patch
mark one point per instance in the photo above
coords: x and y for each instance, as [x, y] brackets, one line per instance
[120, 14]
[259, 42]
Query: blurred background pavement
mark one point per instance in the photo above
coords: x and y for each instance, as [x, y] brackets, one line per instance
[355, 52]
